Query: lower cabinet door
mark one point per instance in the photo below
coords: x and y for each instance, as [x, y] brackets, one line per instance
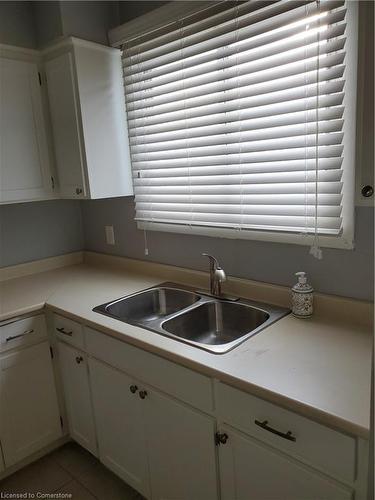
[75, 377]
[119, 425]
[251, 471]
[29, 412]
[181, 449]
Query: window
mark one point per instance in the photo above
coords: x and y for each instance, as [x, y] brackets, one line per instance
[242, 121]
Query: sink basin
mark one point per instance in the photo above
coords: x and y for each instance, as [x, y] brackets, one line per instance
[150, 305]
[216, 323]
[210, 323]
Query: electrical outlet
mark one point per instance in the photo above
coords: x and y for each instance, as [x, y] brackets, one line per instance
[109, 235]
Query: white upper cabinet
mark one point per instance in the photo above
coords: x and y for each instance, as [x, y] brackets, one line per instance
[87, 107]
[24, 156]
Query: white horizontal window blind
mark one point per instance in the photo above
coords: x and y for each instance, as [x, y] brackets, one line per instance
[238, 121]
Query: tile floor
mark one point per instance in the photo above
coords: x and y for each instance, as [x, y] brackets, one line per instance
[72, 470]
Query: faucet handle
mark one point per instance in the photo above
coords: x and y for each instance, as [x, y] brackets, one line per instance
[220, 275]
[213, 260]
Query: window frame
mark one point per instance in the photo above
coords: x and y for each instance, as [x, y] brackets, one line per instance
[167, 15]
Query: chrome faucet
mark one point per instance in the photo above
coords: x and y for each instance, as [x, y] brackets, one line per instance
[217, 275]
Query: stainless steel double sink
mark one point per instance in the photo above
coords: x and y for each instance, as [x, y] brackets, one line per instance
[214, 324]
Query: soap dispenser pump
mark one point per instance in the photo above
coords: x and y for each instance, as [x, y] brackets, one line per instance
[302, 297]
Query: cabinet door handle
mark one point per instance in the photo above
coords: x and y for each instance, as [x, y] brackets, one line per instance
[62, 330]
[221, 438]
[286, 435]
[142, 394]
[27, 332]
[133, 389]
[79, 359]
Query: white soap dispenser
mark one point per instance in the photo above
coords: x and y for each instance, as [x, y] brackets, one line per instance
[302, 297]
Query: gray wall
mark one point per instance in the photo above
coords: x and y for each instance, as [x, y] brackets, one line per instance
[17, 24]
[48, 21]
[340, 272]
[32, 231]
[89, 20]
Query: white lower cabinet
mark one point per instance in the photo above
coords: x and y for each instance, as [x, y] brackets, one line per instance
[75, 378]
[159, 435]
[158, 445]
[121, 439]
[250, 470]
[29, 412]
[181, 450]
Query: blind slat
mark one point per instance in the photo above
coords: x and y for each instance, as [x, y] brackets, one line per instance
[333, 199]
[288, 166]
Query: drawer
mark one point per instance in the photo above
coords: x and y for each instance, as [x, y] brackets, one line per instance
[68, 330]
[329, 450]
[22, 332]
[178, 381]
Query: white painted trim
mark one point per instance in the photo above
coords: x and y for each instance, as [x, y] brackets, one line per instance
[20, 53]
[154, 20]
[65, 44]
[39, 266]
[364, 171]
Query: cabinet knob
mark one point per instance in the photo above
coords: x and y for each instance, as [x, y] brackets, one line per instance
[79, 190]
[142, 394]
[133, 389]
[367, 191]
[79, 359]
[221, 438]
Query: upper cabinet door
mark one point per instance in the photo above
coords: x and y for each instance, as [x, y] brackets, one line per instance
[87, 106]
[64, 108]
[24, 158]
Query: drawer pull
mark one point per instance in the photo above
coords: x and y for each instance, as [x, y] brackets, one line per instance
[133, 389]
[142, 394]
[27, 332]
[286, 435]
[62, 330]
[79, 359]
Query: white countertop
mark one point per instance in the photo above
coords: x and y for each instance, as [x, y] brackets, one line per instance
[319, 367]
